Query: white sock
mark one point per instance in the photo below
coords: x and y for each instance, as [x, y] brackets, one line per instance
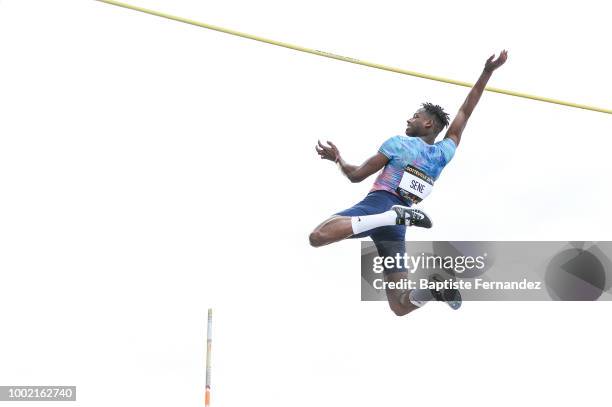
[420, 297]
[368, 222]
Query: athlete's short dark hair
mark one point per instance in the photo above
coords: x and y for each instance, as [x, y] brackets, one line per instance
[438, 114]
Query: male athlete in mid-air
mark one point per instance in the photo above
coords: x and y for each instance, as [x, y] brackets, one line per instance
[410, 164]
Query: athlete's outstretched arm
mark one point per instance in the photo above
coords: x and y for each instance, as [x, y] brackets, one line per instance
[456, 128]
[355, 173]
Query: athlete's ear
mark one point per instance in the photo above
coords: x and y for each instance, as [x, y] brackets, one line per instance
[429, 124]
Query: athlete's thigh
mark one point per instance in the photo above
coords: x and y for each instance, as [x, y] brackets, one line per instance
[370, 205]
[390, 240]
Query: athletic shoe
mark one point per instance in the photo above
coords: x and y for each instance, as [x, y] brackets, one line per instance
[450, 296]
[411, 217]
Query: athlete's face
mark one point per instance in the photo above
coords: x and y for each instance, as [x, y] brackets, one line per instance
[419, 125]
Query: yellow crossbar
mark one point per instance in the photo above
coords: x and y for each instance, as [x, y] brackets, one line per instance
[352, 60]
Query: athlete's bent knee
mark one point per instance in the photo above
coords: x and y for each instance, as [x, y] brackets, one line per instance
[316, 239]
[400, 310]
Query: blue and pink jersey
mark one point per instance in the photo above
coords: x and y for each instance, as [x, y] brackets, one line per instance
[403, 151]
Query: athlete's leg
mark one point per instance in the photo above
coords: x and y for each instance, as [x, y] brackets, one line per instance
[389, 242]
[340, 227]
[403, 301]
[399, 299]
[331, 230]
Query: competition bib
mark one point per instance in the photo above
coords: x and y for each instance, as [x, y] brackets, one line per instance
[415, 185]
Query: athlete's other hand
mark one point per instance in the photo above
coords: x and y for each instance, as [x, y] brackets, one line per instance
[329, 152]
[492, 64]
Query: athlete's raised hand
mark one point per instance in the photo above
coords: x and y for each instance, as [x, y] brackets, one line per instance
[329, 152]
[456, 127]
[492, 63]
